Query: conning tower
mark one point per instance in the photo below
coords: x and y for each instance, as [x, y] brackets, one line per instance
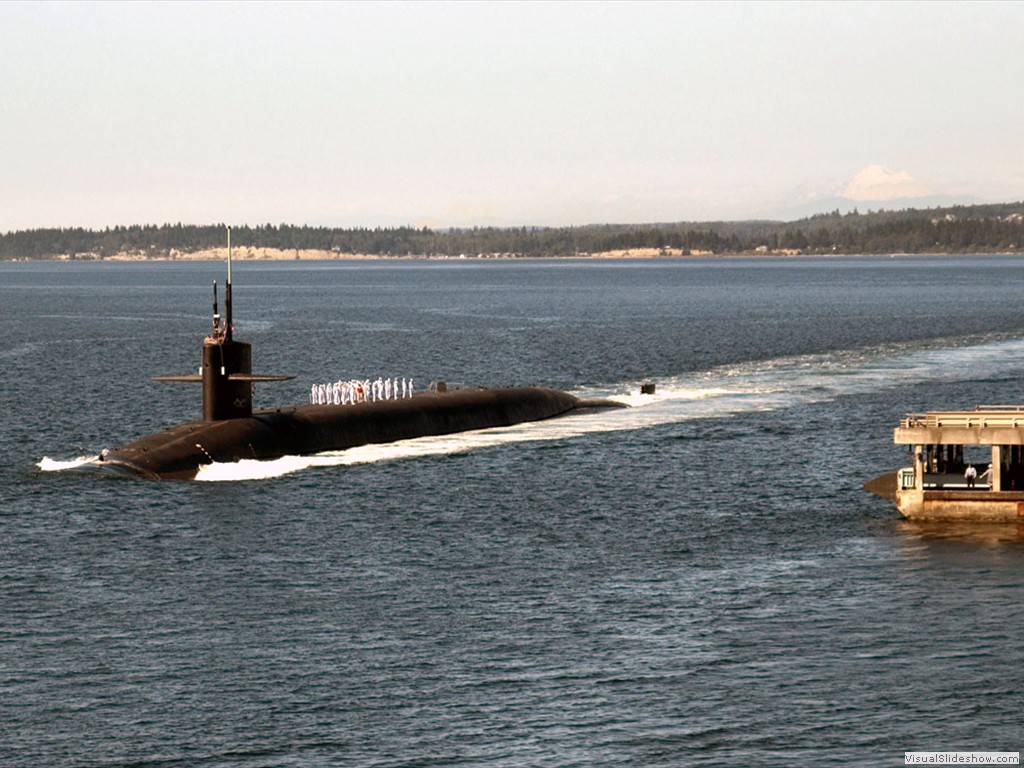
[226, 371]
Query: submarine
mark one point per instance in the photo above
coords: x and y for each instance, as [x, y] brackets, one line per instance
[231, 431]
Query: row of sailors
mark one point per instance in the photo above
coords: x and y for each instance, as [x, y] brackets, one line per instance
[360, 391]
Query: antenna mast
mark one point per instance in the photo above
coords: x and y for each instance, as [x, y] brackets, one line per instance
[227, 295]
[216, 312]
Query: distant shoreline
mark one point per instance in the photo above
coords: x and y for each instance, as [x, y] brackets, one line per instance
[248, 253]
[977, 229]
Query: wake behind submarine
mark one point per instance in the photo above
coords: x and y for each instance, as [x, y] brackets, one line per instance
[231, 431]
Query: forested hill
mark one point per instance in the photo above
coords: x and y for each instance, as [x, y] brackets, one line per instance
[960, 229]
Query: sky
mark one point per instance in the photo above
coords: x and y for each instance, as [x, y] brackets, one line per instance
[502, 113]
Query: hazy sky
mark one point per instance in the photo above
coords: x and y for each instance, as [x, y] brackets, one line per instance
[513, 113]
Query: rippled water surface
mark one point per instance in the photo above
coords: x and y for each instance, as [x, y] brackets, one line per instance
[696, 580]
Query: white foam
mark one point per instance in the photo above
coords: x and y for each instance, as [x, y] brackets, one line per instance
[46, 464]
[250, 469]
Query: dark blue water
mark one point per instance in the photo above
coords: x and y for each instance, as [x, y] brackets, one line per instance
[698, 581]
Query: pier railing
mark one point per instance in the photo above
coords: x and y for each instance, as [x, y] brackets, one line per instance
[982, 416]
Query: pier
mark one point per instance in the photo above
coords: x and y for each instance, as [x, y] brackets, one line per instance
[942, 445]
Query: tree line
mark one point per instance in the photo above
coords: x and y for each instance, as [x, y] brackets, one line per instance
[957, 229]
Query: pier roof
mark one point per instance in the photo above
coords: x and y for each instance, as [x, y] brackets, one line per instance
[984, 425]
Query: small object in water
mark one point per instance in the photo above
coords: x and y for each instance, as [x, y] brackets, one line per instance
[647, 388]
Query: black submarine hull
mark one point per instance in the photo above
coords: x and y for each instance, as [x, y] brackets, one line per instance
[179, 452]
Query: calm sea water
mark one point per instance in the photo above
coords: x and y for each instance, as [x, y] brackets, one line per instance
[698, 580]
